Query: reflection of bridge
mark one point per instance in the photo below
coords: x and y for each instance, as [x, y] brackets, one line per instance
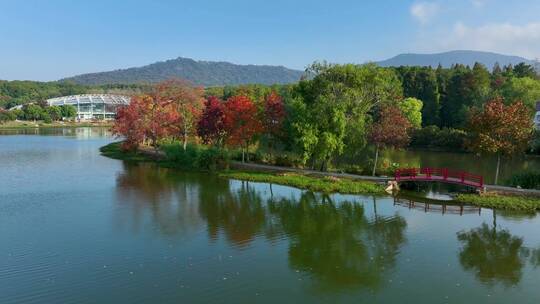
[439, 175]
[431, 207]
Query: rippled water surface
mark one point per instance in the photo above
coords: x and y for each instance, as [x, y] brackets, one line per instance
[76, 227]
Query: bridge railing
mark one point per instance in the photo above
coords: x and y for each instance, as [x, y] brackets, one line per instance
[439, 174]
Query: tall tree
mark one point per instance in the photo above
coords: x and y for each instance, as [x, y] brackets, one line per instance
[211, 126]
[337, 101]
[241, 122]
[524, 70]
[525, 89]
[501, 130]
[390, 130]
[412, 110]
[187, 101]
[273, 119]
[145, 118]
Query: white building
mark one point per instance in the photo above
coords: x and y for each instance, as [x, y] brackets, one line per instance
[92, 106]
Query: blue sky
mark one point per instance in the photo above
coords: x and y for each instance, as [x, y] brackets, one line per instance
[48, 40]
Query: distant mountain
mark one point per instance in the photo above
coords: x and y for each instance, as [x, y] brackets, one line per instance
[446, 59]
[207, 73]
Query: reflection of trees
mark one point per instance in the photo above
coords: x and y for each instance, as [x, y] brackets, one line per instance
[493, 255]
[337, 243]
[170, 197]
[241, 215]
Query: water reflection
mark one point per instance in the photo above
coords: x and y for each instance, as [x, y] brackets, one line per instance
[170, 198]
[493, 255]
[240, 216]
[78, 133]
[337, 243]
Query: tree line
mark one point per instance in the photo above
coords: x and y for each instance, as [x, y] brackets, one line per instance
[332, 118]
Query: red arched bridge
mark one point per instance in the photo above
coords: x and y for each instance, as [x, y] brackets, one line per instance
[444, 175]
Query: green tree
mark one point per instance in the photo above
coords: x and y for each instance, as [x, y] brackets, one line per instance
[336, 104]
[421, 83]
[55, 112]
[6, 116]
[524, 70]
[454, 106]
[412, 110]
[524, 89]
[46, 117]
[33, 112]
[481, 84]
[68, 111]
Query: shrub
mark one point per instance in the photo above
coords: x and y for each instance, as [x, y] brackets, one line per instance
[196, 156]
[46, 117]
[527, 180]
[6, 116]
[213, 158]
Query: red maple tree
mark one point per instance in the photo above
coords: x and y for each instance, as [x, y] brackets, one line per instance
[211, 126]
[390, 130]
[146, 118]
[186, 101]
[499, 129]
[274, 114]
[241, 122]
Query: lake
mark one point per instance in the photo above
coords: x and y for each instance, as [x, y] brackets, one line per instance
[76, 227]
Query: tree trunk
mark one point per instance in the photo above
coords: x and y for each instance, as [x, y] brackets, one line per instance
[243, 155]
[375, 162]
[185, 141]
[497, 170]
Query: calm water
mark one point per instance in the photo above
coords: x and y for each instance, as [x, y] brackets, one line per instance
[76, 227]
[481, 165]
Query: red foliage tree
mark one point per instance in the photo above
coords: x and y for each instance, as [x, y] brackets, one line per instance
[211, 126]
[186, 100]
[241, 122]
[274, 114]
[391, 130]
[145, 118]
[500, 129]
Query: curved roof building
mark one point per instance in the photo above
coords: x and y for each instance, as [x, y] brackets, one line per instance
[92, 106]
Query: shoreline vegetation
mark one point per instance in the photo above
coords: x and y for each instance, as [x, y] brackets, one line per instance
[317, 183]
[54, 124]
[326, 184]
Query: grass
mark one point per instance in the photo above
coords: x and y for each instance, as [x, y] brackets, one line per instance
[56, 124]
[499, 201]
[114, 150]
[318, 184]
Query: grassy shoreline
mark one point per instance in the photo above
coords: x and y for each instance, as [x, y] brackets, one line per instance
[499, 201]
[327, 184]
[40, 124]
[316, 184]
[302, 181]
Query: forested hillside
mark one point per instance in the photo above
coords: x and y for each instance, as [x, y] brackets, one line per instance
[206, 73]
[448, 59]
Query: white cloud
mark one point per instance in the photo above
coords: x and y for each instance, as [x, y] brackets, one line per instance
[424, 11]
[523, 40]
